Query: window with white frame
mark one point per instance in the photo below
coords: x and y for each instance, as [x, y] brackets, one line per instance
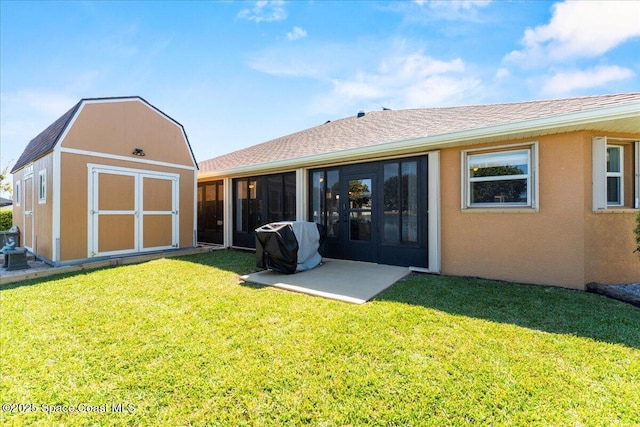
[16, 191]
[616, 173]
[615, 168]
[42, 186]
[499, 177]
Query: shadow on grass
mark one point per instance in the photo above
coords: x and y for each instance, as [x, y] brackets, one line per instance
[46, 279]
[543, 308]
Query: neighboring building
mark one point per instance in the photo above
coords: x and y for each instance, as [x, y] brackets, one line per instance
[111, 177]
[5, 202]
[540, 192]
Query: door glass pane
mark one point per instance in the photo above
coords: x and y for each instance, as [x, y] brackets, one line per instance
[410, 201]
[317, 192]
[360, 226]
[256, 213]
[210, 207]
[360, 193]
[332, 200]
[241, 205]
[219, 206]
[391, 203]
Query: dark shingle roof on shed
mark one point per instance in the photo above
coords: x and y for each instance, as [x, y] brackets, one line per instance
[378, 127]
[46, 140]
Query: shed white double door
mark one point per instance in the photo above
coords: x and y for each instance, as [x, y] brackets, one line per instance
[131, 211]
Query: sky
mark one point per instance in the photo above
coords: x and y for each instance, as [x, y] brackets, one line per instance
[238, 73]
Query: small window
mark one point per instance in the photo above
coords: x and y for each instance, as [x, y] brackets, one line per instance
[615, 172]
[499, 178]
[42, 186]
[16, 191]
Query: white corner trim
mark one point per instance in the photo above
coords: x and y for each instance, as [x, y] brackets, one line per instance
[433, 224]
[301, 194]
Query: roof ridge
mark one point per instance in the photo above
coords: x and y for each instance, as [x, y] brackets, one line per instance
[385, 126]
[532, 101]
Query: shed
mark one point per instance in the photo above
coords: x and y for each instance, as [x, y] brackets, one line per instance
[110, 177]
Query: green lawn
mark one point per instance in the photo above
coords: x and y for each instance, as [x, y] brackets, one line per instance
[183, 343]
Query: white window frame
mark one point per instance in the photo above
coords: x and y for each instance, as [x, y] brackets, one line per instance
[42, 186]
[619, 175]
[531, 149]
[600, 174]
[17, 193]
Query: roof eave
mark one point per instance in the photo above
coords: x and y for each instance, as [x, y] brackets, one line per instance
[582, 120]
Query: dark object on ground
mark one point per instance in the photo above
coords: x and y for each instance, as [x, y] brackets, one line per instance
[277, 248]
[15, 259]
[629, 293]
[289, 246]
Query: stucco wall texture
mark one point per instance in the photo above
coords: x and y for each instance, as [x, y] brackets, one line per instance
[562, 243]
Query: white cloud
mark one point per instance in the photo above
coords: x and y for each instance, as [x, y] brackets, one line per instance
[579, 29]
[566, 82]
[296, 33]
[502, 73]
[456, 4]
[448, 10]
[41, 102]
[295, 60]
[350, 77]
[403, 81]
[265, 11]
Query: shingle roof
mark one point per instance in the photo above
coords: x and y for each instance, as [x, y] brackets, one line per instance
[48, 138]
[378, 127]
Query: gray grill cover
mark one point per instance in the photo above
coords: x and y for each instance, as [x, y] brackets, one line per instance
[288, 246]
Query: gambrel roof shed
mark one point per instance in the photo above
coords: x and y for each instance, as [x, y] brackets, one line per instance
[48, 138]
[110, 177]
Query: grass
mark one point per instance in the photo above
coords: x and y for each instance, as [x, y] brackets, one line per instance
[185, 344]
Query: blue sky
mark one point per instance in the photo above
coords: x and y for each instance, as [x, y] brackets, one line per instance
[239, 73]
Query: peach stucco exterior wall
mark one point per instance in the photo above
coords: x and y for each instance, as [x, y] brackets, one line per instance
[523, 245]
[564, 243]
[609, 248]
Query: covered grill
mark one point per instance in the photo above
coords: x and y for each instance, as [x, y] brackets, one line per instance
[289, 246]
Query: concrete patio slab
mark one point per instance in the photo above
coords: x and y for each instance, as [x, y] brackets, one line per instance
[349, 281]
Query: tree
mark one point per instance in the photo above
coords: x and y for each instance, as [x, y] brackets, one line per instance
[5, 184]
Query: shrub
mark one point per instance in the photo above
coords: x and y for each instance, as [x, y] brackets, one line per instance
[6, 219]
